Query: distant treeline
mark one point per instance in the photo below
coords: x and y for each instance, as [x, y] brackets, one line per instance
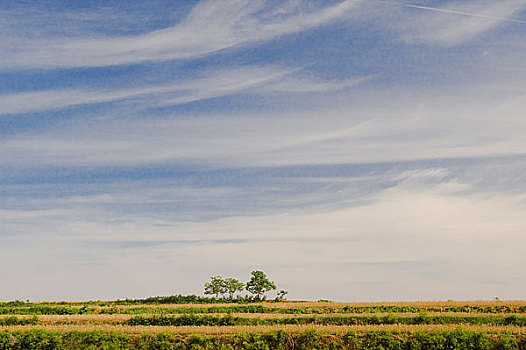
[170, 299]
[190, 299]
[458, 339]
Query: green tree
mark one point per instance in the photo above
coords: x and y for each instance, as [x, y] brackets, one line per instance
[281, 295]
[259, 284]
[232, 286]
[215, 286]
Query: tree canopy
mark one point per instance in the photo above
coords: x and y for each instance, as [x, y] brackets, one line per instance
[259, 284]
[215, 286]
[232, 286]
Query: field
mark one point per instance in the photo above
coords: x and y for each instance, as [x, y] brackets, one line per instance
[159, 324]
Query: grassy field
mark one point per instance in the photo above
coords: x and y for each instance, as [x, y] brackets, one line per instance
[271, 325]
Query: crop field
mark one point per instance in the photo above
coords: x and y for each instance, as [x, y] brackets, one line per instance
[138, 324]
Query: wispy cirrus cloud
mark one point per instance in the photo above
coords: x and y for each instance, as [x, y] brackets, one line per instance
[211, 84]
[210, 26]
[399, 128]
[208, 85]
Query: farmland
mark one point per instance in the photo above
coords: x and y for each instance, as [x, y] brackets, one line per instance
[163, 324]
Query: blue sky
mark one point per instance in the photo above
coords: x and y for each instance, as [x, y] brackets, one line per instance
[353, 150]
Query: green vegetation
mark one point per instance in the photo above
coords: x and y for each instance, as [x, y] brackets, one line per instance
[458, 339]
[281, 295]
[215, 286]
[246, 307]
[232, 286]
[39, 309]
[185, 299]
[15, 321]
[242, 324]
[258, 285]
[229, 320]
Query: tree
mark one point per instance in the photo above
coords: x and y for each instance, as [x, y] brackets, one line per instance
[215, 286]
[232, 286]
[281, 295]
[259, 284]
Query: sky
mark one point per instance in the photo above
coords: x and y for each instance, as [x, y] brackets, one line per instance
[353, 150]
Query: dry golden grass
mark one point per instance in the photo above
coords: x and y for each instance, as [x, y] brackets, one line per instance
[420, 304]
[180, 306]
[379, 314]
[214, 330]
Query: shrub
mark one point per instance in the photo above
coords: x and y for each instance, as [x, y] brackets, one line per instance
[38, 339]
[6, 341]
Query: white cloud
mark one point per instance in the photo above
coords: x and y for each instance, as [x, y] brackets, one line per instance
[211, 26]
[419, 243]
[211, 84]
[306, 85]
[472, 123]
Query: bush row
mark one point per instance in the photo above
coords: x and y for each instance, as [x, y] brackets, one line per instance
[191, 310]
[15, 321]
[189, 299]
[171, 299]
[299, 311]
[229, 320]
[37, 309]
[414, 309]
[45, 309]
[279, 340]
